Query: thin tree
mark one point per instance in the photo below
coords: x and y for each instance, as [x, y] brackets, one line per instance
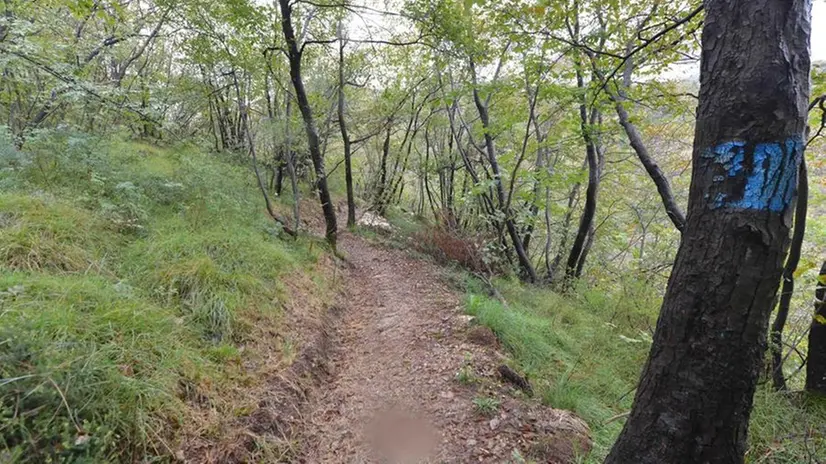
[816, 363]
[294, 54]
[787, 290]
[345, 137]
[490, 149]
[251, 147]
[584, 235]
[696, 391]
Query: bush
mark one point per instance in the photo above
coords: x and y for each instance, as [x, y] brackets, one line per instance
[447, 246]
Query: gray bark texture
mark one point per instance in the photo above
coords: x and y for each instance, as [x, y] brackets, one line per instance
[695, 395]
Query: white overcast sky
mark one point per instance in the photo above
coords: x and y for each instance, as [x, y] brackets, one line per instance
[819, 31]
[377, 22]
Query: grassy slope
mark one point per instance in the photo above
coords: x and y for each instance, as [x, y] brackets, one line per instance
[585, 351]
[130, 277]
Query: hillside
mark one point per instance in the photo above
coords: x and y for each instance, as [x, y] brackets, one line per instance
[562, 231]
[147, 300]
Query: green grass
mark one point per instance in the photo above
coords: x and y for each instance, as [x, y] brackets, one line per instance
[486, 406]
[44, 234]
[131, 277]
[584, 353]
[81, 358]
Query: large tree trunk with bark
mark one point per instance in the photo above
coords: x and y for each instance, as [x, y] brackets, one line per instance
[816, 364]
[695, 395]
[294, 55]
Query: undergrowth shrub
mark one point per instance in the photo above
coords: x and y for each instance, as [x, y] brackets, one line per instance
[584, 352]
[451, 246]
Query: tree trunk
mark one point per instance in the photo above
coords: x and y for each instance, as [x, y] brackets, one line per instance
[279, 174]
[242, 107]
[695, 395]
[380, 202]
[481, 107]
[651, 167]
[589, 212]
[345, 137]
[787, 291]
[290, 158]
[294, 55]
[816, 364]
[573, 197]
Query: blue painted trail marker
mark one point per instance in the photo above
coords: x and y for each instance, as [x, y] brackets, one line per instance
[759, 176]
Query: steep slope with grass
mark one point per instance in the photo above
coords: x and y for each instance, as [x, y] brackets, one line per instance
[142, 302]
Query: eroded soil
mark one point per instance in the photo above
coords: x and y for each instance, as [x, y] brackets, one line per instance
[393, 394]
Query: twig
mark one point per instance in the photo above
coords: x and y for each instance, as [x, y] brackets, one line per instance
[493, 289]
[66, 403]
[616, 418]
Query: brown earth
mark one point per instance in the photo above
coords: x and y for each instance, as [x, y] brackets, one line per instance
[391, 372]
[393, 391]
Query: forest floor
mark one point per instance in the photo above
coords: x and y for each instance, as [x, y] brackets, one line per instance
[411, 379]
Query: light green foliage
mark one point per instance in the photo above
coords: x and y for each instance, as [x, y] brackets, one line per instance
[101, 237]
[101, 324]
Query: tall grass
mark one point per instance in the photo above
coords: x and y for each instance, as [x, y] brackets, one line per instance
[584, 353]
[130, 275]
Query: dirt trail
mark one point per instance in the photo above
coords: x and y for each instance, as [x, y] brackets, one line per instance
[393, 394]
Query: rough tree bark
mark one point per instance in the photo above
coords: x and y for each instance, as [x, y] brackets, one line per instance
[787, 290]
[695, 395]
[294, 56]
[816, 364]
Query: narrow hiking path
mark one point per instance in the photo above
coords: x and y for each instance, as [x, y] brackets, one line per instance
[393, 395]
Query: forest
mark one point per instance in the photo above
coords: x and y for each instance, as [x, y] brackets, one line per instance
[563, 231]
